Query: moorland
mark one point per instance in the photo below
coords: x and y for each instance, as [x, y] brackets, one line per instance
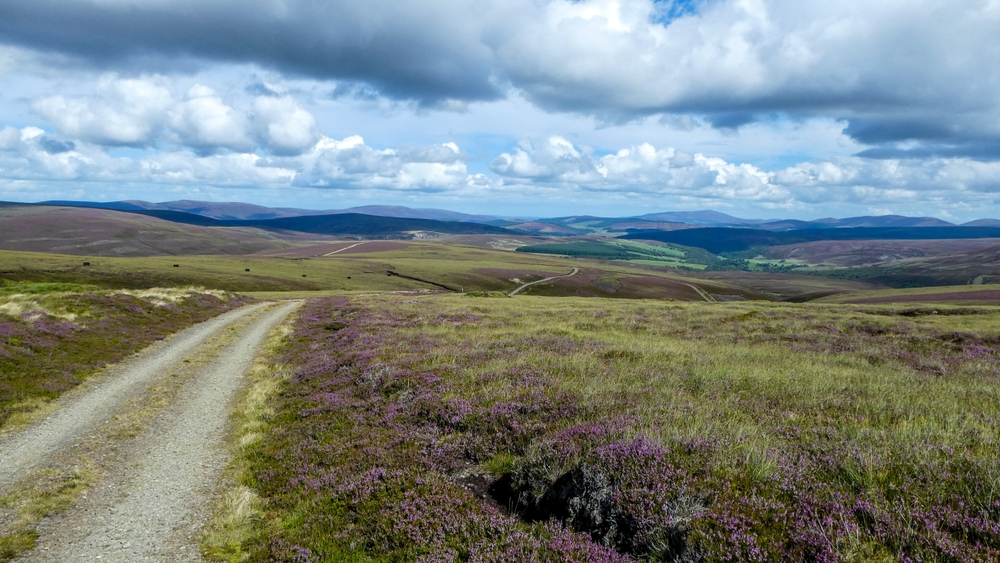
[810, 391]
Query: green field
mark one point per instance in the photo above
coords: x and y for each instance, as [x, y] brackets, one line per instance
[674, 256]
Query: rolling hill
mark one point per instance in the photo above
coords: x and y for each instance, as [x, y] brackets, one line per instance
[104, 232]
[352, 224]
[872, 221]
[236, 211]
[722, 239]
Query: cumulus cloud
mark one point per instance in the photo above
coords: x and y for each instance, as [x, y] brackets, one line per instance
[123, 112]
[33, 154]
[333, 163]
[551, 169]
[641, 169]
[924, 69]
[147, 112]
[285, 126]
[204, 121]
[936, 181]
[649, 173]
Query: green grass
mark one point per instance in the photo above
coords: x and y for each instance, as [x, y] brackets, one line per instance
[674, 256]
[465, 267]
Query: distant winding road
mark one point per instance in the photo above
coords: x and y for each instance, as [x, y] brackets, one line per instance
[345, 248]
[527, 285]
[704, 295]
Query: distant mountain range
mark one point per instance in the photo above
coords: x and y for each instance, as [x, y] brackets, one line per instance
[236, 211]
[698, 218]
[354, 224]
[558, 226]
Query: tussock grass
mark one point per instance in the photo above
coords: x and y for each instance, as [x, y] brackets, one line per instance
[161, 296]
[46, 491]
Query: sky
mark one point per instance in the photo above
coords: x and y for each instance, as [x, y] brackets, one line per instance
[756, 108]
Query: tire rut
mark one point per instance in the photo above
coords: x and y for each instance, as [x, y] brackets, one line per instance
[152, 505]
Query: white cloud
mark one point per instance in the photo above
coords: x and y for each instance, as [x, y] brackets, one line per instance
[333, 163]
[287, 128]
[203, 120]
[10, 138]
[125, 112]
[929, 182]
[146, 112]
[344, 164]
[641, 169]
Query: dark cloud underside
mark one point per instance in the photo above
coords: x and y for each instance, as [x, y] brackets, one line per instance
[395, 46]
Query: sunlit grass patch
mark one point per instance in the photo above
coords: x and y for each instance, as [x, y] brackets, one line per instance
[163, 295]
[47, 491]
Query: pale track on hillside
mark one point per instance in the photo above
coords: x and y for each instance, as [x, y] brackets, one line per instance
[527, 285]
[704, 295]
[339, 250]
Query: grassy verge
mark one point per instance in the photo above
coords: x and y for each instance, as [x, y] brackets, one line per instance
[52, 337]
[444, 428]
[238, 521]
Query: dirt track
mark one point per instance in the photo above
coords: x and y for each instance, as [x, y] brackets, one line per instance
[527, 285]
[152, 502]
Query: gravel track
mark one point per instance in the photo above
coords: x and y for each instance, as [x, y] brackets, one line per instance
[527, 285]
[25, 449]
[152, 504]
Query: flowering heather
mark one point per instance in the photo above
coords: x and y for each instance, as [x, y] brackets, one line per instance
[453, 429]
[43, 355]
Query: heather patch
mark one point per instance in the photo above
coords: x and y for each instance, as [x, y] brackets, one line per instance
[51, 342]
[453, 429]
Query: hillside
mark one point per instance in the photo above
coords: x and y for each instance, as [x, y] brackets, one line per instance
[339, 224]
[872, 221]
[237, 211]
[103, 232]
[868, 252]
[722, 239]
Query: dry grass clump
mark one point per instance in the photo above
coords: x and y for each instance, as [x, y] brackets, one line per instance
[161, 296]
[48, 491]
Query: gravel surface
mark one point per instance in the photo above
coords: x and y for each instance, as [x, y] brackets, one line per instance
[529, 284]
[153, 505]
[25, 449]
